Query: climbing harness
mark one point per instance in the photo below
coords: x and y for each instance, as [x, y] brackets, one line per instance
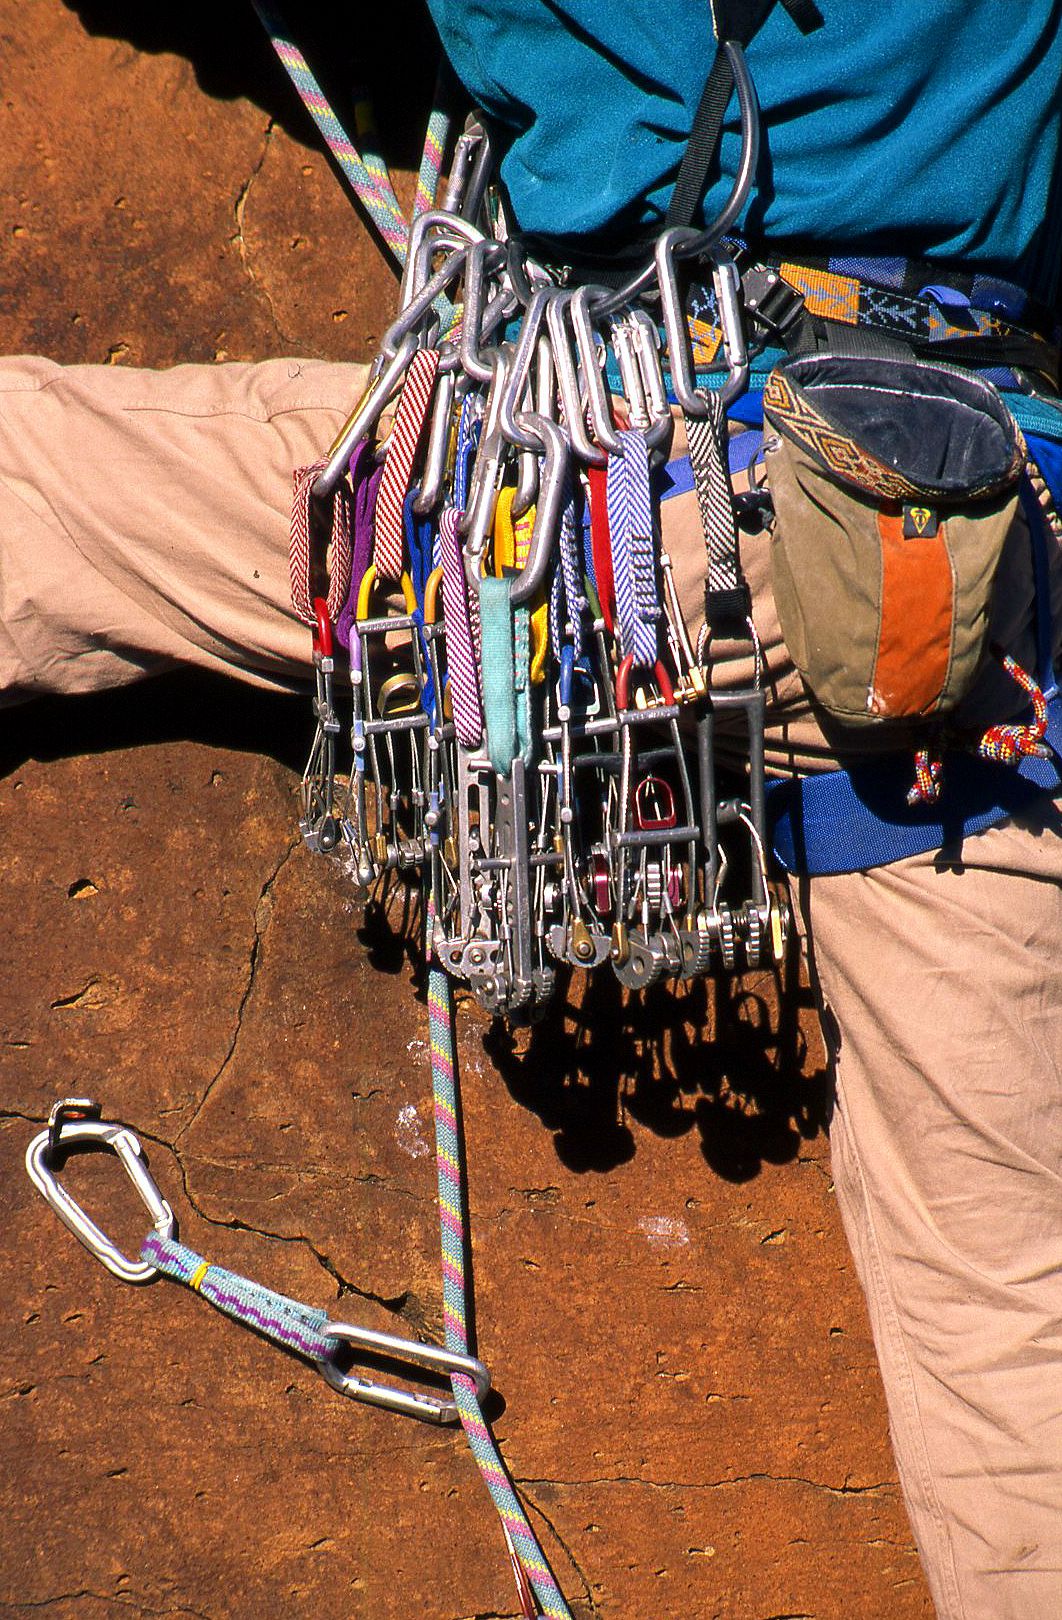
[511, 707]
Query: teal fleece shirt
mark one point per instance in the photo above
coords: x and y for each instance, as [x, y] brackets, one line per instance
[926, 128]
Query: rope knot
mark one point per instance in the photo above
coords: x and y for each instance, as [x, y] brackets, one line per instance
[1009, 744]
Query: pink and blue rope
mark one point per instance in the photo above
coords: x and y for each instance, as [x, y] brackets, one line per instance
[372, 186]
[435, 138]
[521, 1538]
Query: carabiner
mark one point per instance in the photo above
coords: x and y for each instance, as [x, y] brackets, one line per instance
[519, 376]
[568, 380]
[413, 1403]
[367, 587]
[75, 1122]
[590, 356]
[379, 391]
[623, 684]
[676, 244]
[478, 323]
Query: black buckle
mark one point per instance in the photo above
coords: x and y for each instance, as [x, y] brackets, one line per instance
[769, 299]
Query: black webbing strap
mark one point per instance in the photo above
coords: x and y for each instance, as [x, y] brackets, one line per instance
[737, 21]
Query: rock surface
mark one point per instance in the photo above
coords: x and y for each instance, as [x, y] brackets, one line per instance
[691, 1405]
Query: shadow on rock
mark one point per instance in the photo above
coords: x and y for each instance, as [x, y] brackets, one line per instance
[186, 706]
[230, 53]
[727, 1057]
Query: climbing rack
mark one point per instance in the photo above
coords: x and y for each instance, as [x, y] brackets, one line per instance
[531, 725]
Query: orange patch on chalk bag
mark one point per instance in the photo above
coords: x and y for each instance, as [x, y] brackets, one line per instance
[913, 658]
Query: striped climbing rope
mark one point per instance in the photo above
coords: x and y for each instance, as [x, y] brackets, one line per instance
[435, 138]
[303, 1328]
[521, 1538]
[372, 187]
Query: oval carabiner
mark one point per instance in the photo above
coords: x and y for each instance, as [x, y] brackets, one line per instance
[414, 1403]
[76, 1122]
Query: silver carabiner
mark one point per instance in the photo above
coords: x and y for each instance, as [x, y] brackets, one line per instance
[75, 1122]
[420, 250]
[551, 491]
[412, 1403]
[478, 321]
[590, 358]
[520, 370]
[568, 381]
[379, 391]
[671, 246]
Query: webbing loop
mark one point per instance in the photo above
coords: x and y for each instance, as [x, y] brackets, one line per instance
[727, 603]
[631, 529]
[461, 618]
[506, 674]
[319, 565]
[398, 468]
[372, 187]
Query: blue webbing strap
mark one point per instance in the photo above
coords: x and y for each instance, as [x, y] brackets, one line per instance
[850, 821]
[421, 540]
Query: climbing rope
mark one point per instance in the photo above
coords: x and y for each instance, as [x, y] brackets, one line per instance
[371, 186]
[452, 1229]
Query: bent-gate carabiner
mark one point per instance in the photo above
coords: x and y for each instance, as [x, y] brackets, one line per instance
[75, 1122]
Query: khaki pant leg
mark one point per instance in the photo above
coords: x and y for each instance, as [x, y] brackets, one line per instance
[946, 988]
[144, 518]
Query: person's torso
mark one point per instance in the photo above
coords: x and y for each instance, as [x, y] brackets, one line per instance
[926, 129]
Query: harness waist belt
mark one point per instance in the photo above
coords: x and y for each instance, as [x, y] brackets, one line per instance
[850, 821]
